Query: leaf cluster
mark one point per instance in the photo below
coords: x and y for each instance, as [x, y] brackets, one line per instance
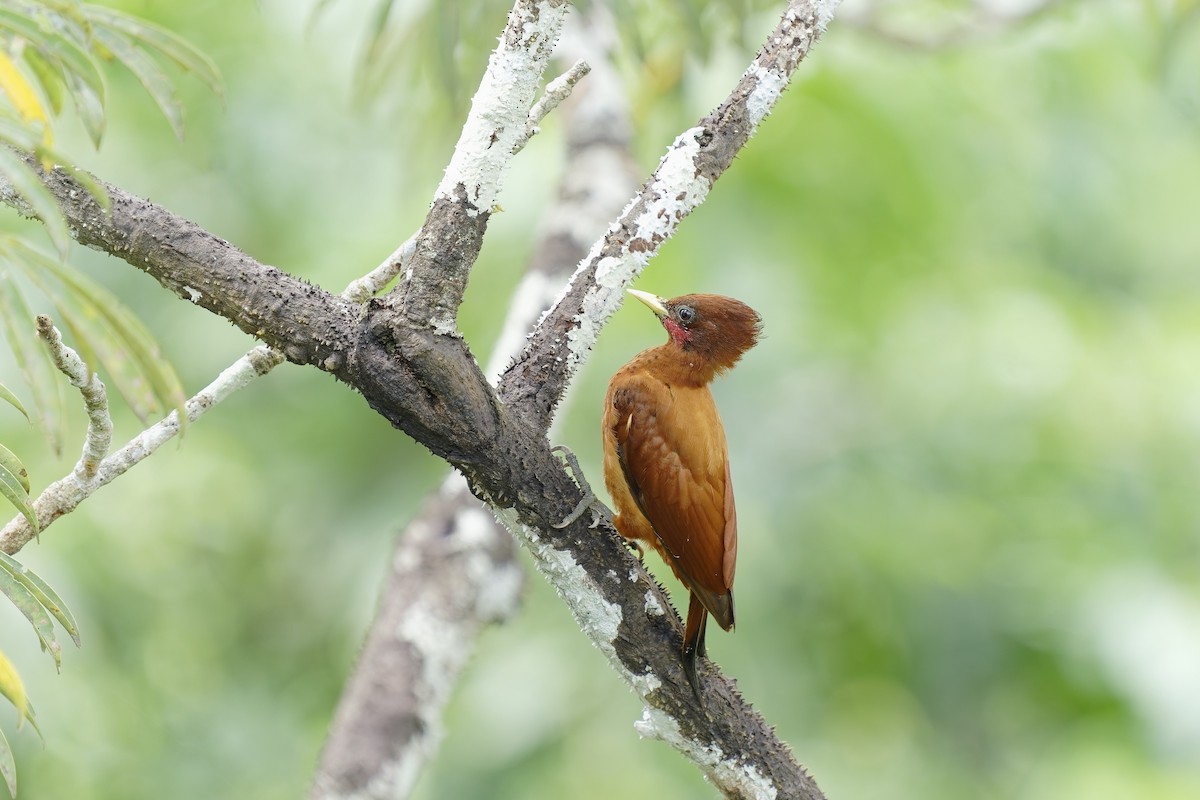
[54, 50]
[42, 606]
[54, 54]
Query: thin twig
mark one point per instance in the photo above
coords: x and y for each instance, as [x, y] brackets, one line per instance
[984, 20]
[371, 284]
[557, 90]
[97, 469]
[95, 401]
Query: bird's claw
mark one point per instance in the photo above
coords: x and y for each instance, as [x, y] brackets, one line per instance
[589, 497]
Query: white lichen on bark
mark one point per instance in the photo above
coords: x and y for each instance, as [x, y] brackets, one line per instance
[677, 188]
[599, 619]
[98, 438]
[653, 606]
[731, 777]
[498, 118]
[62, 496]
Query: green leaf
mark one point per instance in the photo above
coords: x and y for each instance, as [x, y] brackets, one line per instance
[41, 203]
[147, 71]
[168, 43]
[44, 593]
[32, 359]
[17, 133]
[38, 617]
[13, 688]
[132, 336]
[51, 40]
[90, 105]
[8, 767]
[10, 487]
[10, 462]
[10, 398]
[48, 77]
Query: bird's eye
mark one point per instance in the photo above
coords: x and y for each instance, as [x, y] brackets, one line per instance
[686, 314]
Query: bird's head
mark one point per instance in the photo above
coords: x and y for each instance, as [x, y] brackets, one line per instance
[716, 329]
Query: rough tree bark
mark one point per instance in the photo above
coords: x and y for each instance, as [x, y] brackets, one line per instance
[454, 568]
[403, 353]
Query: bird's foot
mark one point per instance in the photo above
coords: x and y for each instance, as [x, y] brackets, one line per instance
[633, 545]
[589, 497]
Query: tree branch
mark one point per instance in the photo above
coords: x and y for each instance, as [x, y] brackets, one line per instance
[301, 320]
[417, 373]
[453, 572]
[454, 556]
[65, 494]
[698, 157]
[98, 438]
[452, 235]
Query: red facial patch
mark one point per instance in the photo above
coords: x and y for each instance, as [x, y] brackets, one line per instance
[679, 334]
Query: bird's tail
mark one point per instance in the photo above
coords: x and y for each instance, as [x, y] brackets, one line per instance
[720, 605]
[693, 641]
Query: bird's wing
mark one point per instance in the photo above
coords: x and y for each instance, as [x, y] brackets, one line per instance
[671, 448]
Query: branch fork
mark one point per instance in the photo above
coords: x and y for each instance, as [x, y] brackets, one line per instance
[404, 354]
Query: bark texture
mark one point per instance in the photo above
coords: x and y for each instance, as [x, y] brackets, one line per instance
[405, 356]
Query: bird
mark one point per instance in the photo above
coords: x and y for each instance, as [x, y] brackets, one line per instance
[666, 460]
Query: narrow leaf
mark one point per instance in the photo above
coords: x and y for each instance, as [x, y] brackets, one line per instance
[128, 330]
[90, 105]
[7, 396]
[73, 322]
[12, 688]
[44, 593]
[48, 77]
[164, 41]
[8, 767]
[10, 462]
[20, 92]
[53, 42]
[31, 357]
[10, 487]
[28, 605]
[149, 74]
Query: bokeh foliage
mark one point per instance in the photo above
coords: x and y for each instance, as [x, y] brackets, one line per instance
[50, 51]
[965, 452]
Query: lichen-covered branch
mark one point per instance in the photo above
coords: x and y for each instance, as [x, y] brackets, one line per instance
[453, 231]
[453, 572]
[388, 719]
[698, 157]
[98, 438]
[405, 357]
[64, 495]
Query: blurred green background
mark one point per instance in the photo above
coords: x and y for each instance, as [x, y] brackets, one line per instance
[966, 453]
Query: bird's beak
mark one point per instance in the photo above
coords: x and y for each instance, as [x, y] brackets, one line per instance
[656, 304]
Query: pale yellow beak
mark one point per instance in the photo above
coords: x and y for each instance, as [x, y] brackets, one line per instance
[656, 303]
